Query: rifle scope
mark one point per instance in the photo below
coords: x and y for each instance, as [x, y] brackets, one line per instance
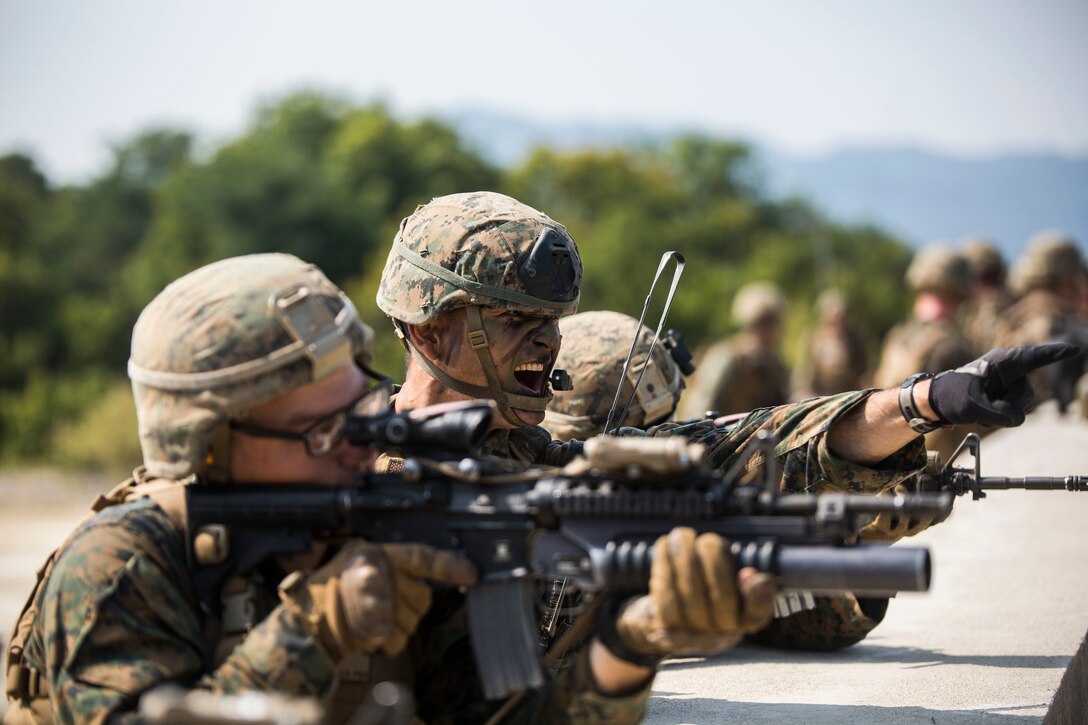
[459, 427]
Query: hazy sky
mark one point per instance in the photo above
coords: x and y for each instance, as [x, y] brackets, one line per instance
[970, 77]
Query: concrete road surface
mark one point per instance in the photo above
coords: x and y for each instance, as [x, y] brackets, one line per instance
[989, 643]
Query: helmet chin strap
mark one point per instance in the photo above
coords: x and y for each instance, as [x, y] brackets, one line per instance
[506, 401]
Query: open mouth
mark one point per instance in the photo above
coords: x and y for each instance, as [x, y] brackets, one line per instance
[532, 376]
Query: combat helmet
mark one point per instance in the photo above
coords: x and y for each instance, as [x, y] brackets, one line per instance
[595, 345]
[474, 250]
[226, 338]
[939, 269]
[984, 261]
[758, 301]
[1050, 257]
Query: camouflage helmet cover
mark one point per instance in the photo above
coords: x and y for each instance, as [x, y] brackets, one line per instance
[983, 259]
[595, 345]
[1050, 256]
[479, 248]
[226, 338]
[757, 301]
[939, 269]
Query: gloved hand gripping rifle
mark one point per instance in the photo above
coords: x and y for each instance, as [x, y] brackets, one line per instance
[595, 521]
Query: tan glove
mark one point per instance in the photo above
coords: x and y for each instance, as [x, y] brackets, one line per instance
[370, 597]
[697, 603]
[891, 527]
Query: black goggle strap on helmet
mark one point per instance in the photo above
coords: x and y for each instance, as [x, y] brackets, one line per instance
[677, 273]
[483, 290]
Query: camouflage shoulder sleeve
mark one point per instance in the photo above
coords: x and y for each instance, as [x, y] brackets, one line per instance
[277, 655]
[116, 616]
[808, 463]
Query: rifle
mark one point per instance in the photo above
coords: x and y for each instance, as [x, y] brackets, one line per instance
[596, 524]
[957, 481]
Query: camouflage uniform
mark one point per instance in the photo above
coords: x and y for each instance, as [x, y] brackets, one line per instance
[980, 315]
[115, 612]
[595, 343]
[930, 345]
[809, 466]
[1052, 277]
[742, 373]
[836, 360]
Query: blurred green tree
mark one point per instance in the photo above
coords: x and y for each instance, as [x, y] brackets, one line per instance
[329, 181]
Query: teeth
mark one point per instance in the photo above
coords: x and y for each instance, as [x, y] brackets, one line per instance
[530, 367]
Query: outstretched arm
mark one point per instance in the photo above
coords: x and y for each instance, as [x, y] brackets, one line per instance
[993, 391]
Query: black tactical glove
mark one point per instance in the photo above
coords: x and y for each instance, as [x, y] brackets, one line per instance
[1062, 378]
[993, 390]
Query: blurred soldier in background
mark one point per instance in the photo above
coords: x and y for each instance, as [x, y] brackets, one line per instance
[744, 372]
[595, 345]
[930, 341]
[1052, 279]
[836, 360]
[990, 296]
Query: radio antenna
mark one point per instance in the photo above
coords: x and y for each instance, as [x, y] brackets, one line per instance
[677, 272]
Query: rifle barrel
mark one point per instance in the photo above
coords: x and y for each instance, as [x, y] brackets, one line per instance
[1034, 483]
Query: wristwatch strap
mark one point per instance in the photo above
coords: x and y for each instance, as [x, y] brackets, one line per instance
[910, 411]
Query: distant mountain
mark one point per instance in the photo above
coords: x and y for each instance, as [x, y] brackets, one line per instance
[919, 195]
[925, 196]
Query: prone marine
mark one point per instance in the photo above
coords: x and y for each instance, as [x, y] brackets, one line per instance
[476, 283]
[247, 370]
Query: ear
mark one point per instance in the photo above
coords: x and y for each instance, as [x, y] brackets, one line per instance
[427, 338]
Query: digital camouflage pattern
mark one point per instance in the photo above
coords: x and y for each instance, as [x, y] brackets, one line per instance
[808, 466]
[835, 622]
[481, 238]
[736, 375]
[476, 250]
[228, 349]
[118, 616]
[595, 344]
[807, 463]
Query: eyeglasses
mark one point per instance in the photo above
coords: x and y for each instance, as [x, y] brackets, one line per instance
[325, 434]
